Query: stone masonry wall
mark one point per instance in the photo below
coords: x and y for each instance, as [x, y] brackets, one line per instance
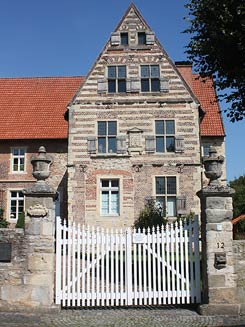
[239, 264]
[28, 280]
[12, 273]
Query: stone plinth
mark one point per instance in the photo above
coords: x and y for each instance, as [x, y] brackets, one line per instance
[219, 277]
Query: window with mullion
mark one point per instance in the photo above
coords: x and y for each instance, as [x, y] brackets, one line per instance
[107, 136]
[109, 189]
[165, 135]
[117, 79]
[166, 191]
[18, 160]
[150, 78]
[16, 204]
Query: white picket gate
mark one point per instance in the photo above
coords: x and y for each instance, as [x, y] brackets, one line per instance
[97, 267]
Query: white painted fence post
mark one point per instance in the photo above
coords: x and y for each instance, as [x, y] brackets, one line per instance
[58, 261]
[129, 266]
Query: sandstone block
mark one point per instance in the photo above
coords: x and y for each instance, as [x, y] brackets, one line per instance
[215, 203]
[216, 280]
[218, 215]
[222, 295]
[40, 262]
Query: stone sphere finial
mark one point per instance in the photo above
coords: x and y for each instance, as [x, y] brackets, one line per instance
[41, 164]
[213, 166]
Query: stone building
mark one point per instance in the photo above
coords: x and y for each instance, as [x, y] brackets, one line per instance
[134, 131]
[138, 128]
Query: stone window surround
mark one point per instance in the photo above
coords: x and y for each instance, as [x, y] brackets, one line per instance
[19, 156]
[98, 191]
[177, 188]
[106, 136]
[12, 220]
[151, 78]
[117, 78]
[164, 135]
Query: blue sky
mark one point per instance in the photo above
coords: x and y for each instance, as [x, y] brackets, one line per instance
[64, 37]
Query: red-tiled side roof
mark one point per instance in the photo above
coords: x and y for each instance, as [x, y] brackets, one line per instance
[33, 108]
[211, 124]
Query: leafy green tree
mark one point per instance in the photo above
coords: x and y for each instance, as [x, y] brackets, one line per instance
[217, 48]
[239, 197]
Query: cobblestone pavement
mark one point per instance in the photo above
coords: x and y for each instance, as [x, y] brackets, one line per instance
[130, 317]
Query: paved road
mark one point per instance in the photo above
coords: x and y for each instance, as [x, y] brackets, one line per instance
[143, 317]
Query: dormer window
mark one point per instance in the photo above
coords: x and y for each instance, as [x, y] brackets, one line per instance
[141, 38]
[116, 79]
[124, 38]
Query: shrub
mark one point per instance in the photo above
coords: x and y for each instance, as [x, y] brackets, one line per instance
[3, 222]
[21, 221]
[151, 215]
[189, 217]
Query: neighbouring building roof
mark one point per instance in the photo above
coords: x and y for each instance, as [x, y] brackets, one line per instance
[237, 219]
[33, 108]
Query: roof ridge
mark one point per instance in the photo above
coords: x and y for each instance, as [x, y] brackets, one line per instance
[42, 77]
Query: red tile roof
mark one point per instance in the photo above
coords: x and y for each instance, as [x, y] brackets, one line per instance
[211, 124]
[34, 108]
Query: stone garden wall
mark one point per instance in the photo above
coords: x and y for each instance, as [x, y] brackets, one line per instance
[239, 265]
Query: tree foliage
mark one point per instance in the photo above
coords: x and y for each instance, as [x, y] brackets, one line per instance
[239, 197]
[217, 48]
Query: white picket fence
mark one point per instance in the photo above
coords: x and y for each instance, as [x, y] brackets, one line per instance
[97, 267]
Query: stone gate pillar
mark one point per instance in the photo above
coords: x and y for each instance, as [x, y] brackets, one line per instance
[39, 232]
[218, 276]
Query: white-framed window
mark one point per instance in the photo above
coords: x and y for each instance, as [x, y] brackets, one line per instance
[150, 78]
[107, 136]
[16, 201]
[166, 194]
[116, 79]
[109, 197]
[165, 135]
[18, 159]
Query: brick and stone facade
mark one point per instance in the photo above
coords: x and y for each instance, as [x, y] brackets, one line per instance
[17, 181]
[135, 113]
